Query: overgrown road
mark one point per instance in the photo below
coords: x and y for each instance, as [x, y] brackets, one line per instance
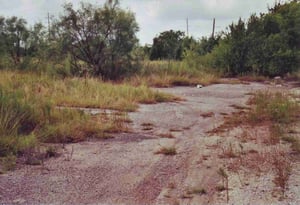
[126, 169]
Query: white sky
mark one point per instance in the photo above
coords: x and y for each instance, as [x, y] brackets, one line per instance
[153, 16]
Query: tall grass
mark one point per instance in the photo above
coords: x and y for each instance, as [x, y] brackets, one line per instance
[29, 113]
[78, 92]
[171, 73]
[17, 121]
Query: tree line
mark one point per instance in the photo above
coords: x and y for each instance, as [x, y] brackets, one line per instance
[94, 40]
[265, 44]
[101, 41]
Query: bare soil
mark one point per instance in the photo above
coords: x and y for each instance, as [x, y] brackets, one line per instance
[126, 170]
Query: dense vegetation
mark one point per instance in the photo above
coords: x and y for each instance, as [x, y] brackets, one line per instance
[267, 45]
[101, 41]
[91, 40]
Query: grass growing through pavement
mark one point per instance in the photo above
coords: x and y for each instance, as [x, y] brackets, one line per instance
[276, 113]
[29, 114]
[78, 92]
[275, 107]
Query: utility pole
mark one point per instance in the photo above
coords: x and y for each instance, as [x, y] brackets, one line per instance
[213, 31]
[187, 27]
[48, 26]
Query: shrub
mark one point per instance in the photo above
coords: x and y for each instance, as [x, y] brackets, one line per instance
[275, 107]
[15, 116]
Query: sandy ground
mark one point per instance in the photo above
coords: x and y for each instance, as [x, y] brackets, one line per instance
[126, 170]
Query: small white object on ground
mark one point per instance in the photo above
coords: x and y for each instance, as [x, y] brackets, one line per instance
[199, 86]
[277, 78]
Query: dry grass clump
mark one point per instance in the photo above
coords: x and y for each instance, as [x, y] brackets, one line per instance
[197, 190]
[253, 78]
[282, 168]
[29, 113]
[171, 73]
[262, 129]
[166, 135]
[275, 107]
[294, 141]
[78, 92]
[167, 151]
[207, 114]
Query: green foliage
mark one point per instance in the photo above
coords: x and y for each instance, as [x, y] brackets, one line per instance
[264, 45]
[100, 39]
[14, 35]
[168, 45]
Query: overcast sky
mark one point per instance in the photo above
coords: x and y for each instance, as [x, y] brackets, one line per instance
[153, 16]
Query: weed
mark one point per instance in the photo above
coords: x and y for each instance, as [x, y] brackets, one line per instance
[51, 152]
[147, 128]
[276, 131]
[282, 168]
[171, 185]
[274, 107]
[207, 114]
[220, 188]
[253, 78]
[228, 151]
[295, 143]
[175, 130]
[166, 135]
[8, 163]
[175, 202]
[225, 181]
[197, 190]
[167, 151]
[252, 151]
[147, 124]
[239, 107]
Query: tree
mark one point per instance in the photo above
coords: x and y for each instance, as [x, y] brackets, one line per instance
[14, 35]
[100, 39]
[168, 45]
[267, 44]
[238, 48]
